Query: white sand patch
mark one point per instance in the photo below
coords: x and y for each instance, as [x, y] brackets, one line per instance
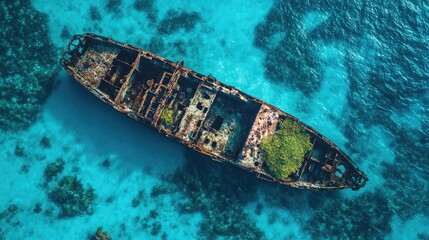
[313, 19]
[410, 229]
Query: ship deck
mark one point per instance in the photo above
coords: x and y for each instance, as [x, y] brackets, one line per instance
[205, 114]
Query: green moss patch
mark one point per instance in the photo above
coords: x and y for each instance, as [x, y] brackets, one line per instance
[167, 117]
[284, 152]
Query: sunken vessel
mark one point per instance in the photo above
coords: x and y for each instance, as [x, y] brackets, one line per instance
[208, 116]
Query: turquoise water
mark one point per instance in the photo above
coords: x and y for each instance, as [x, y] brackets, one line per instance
[356, 71]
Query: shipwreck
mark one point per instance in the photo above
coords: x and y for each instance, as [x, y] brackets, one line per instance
[208, 116]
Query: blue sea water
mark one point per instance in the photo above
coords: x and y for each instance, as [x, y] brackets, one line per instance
[356, 71]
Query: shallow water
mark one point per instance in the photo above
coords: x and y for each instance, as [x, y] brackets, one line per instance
[357, 72]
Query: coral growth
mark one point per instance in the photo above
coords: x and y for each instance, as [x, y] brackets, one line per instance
[101, 235]
[156, 228]
[290, 51]
[72, 198]
[219, 193]
[9, 212]
[19, 150]
[176, 21]
[94, 14]
[138, 199]
[161, 188]
[29, 63]
[53, 169]
[113, 6]
[151, 221]
[368, 215]
[45, 142]
[386, 89]
[143, 5]
[37, 208]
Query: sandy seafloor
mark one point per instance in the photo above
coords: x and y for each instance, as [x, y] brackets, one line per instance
[370, 105]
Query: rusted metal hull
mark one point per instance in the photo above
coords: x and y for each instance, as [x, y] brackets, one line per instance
[196, 110]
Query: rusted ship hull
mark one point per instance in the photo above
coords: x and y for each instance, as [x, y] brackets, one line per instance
[206, 115]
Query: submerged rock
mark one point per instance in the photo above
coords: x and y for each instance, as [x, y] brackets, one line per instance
[175, 21]
[29, 63]
[45, 142]
[19, 151]
[101, 235]
[53, 169]
[368, 215]
[9, 212]
[72, 198]
[137, 199]
[220, 194]
[37, 208]
[156, 228]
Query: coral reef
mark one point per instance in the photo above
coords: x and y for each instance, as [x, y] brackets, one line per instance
[143, 5]
[161, 188]
[9, 218]
[150, 221]
[138, 199]
[413, 198]
[156, 228]
[9, 212]
[94, 14]
[53, 169]
[37, 208]
[100, 235]
[45, 143]
[25, 168]
[106, 163]
[384, 87]
[175, 21]
[65, 33]
[156, 44]
[368, 215]
[259, 208]
[19, 150]
[290, 51]
[148, 7]
[386, 67]
[112, 6]
[72, 198]
[219, 193]
[29, 64]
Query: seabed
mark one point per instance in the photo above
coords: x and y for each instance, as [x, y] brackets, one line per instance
[355, 71]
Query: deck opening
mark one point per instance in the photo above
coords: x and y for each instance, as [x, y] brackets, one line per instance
[227, 125]
[217, 123]
[182, 90]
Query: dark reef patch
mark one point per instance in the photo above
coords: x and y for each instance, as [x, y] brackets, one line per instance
[54, 169]
[8, 214]
[94, 14]
[29, 64]
[72, 198]
[386, 60]
[175, 21]
[65, 33]
[135, 202]
[113, 6]
[144, 5]
[390, 86]
[365, 217]
[289, 49]
[156, 44]
[147, 6]
[220, 194]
